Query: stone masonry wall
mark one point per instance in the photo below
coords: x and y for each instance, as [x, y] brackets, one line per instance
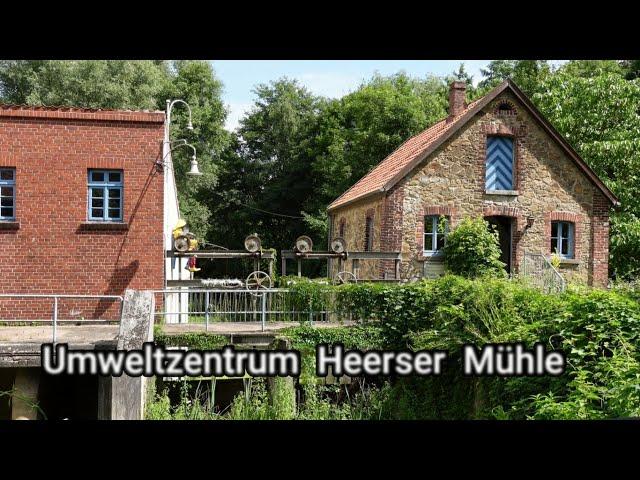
[549, 187]
[354, 219]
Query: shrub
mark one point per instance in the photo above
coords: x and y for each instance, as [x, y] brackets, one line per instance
[472, 249]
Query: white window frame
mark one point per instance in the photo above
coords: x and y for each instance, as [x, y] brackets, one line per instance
[435, 221]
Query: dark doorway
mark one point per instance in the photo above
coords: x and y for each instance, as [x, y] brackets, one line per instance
[503, 227]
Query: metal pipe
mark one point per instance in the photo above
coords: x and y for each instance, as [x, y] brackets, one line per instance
[55, 319]
[206, 316]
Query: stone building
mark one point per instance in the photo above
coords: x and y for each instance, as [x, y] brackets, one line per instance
[496, 157]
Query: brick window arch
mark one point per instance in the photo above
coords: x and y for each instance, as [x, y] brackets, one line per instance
[506, 108]
[563, 233]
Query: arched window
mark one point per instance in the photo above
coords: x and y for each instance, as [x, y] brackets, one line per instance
[368, 234]
[434, 233]
[506, 108]
[342, 227]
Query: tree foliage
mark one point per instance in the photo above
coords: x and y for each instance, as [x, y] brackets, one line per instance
[295, 152]
[472, 249]
[127, 84]
[599, 116]
[88, 83]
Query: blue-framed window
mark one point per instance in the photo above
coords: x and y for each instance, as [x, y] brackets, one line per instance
[7, 194]
[562, 235]
[499, 164]
[434, 233]
[105, 195]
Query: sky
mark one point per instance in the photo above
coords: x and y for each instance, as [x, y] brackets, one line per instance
[330, 78]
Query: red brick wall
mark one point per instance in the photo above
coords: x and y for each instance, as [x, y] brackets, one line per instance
[600, 240]
[54, 250]
[391, 229]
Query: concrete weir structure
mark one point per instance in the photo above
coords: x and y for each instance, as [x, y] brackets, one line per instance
[107, 398]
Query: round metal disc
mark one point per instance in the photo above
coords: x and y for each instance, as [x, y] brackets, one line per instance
[181, 244]
[304, 244]
[338, 245]
[252, 243]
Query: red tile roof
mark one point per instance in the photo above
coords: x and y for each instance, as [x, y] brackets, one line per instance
[376, 179]
[403, 159]
[66, 112]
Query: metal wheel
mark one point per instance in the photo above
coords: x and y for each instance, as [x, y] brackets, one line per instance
[344, 277]
[338, 245]
[252, 243]
[304, 244]
[181, 244]
[257, 281]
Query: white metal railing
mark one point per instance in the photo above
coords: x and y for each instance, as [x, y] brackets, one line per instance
[55, 305]
[206, 306]
[537, 268]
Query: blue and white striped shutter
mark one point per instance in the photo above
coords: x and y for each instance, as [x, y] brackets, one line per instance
[499, 167]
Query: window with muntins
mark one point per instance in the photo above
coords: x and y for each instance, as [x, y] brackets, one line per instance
[499, 163]
[434, 233]
[7, 194]
[105, 195]
[562, 239]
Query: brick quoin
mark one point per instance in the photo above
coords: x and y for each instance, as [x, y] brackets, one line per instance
[50, 248]
[600, 240]
[391, 229]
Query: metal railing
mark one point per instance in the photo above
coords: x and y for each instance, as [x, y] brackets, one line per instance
[539, 271]
[204, 306]
[55, 305]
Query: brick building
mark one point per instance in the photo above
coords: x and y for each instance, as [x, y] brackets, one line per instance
[81, 207]
[496, 157]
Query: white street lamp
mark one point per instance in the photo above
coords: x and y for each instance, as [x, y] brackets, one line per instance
[194, 171]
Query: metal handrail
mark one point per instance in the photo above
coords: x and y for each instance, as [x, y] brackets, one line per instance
[57, 297]
[233, 303]
[557, 284]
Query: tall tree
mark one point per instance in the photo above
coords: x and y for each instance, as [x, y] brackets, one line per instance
[599, 116]
[527, 74]
[591, 68]
[354, 133]
[196, 83]
[268, 171]
[86, 83]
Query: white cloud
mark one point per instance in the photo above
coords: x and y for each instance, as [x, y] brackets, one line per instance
[329, 84]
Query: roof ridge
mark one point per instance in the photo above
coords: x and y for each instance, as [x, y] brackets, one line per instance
[394, 167]
[439, 123]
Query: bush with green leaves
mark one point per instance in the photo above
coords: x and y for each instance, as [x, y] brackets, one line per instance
[472, 249]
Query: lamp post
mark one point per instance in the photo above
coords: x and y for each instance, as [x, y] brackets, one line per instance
[160, 164]
[172, 266]
[194, 170]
